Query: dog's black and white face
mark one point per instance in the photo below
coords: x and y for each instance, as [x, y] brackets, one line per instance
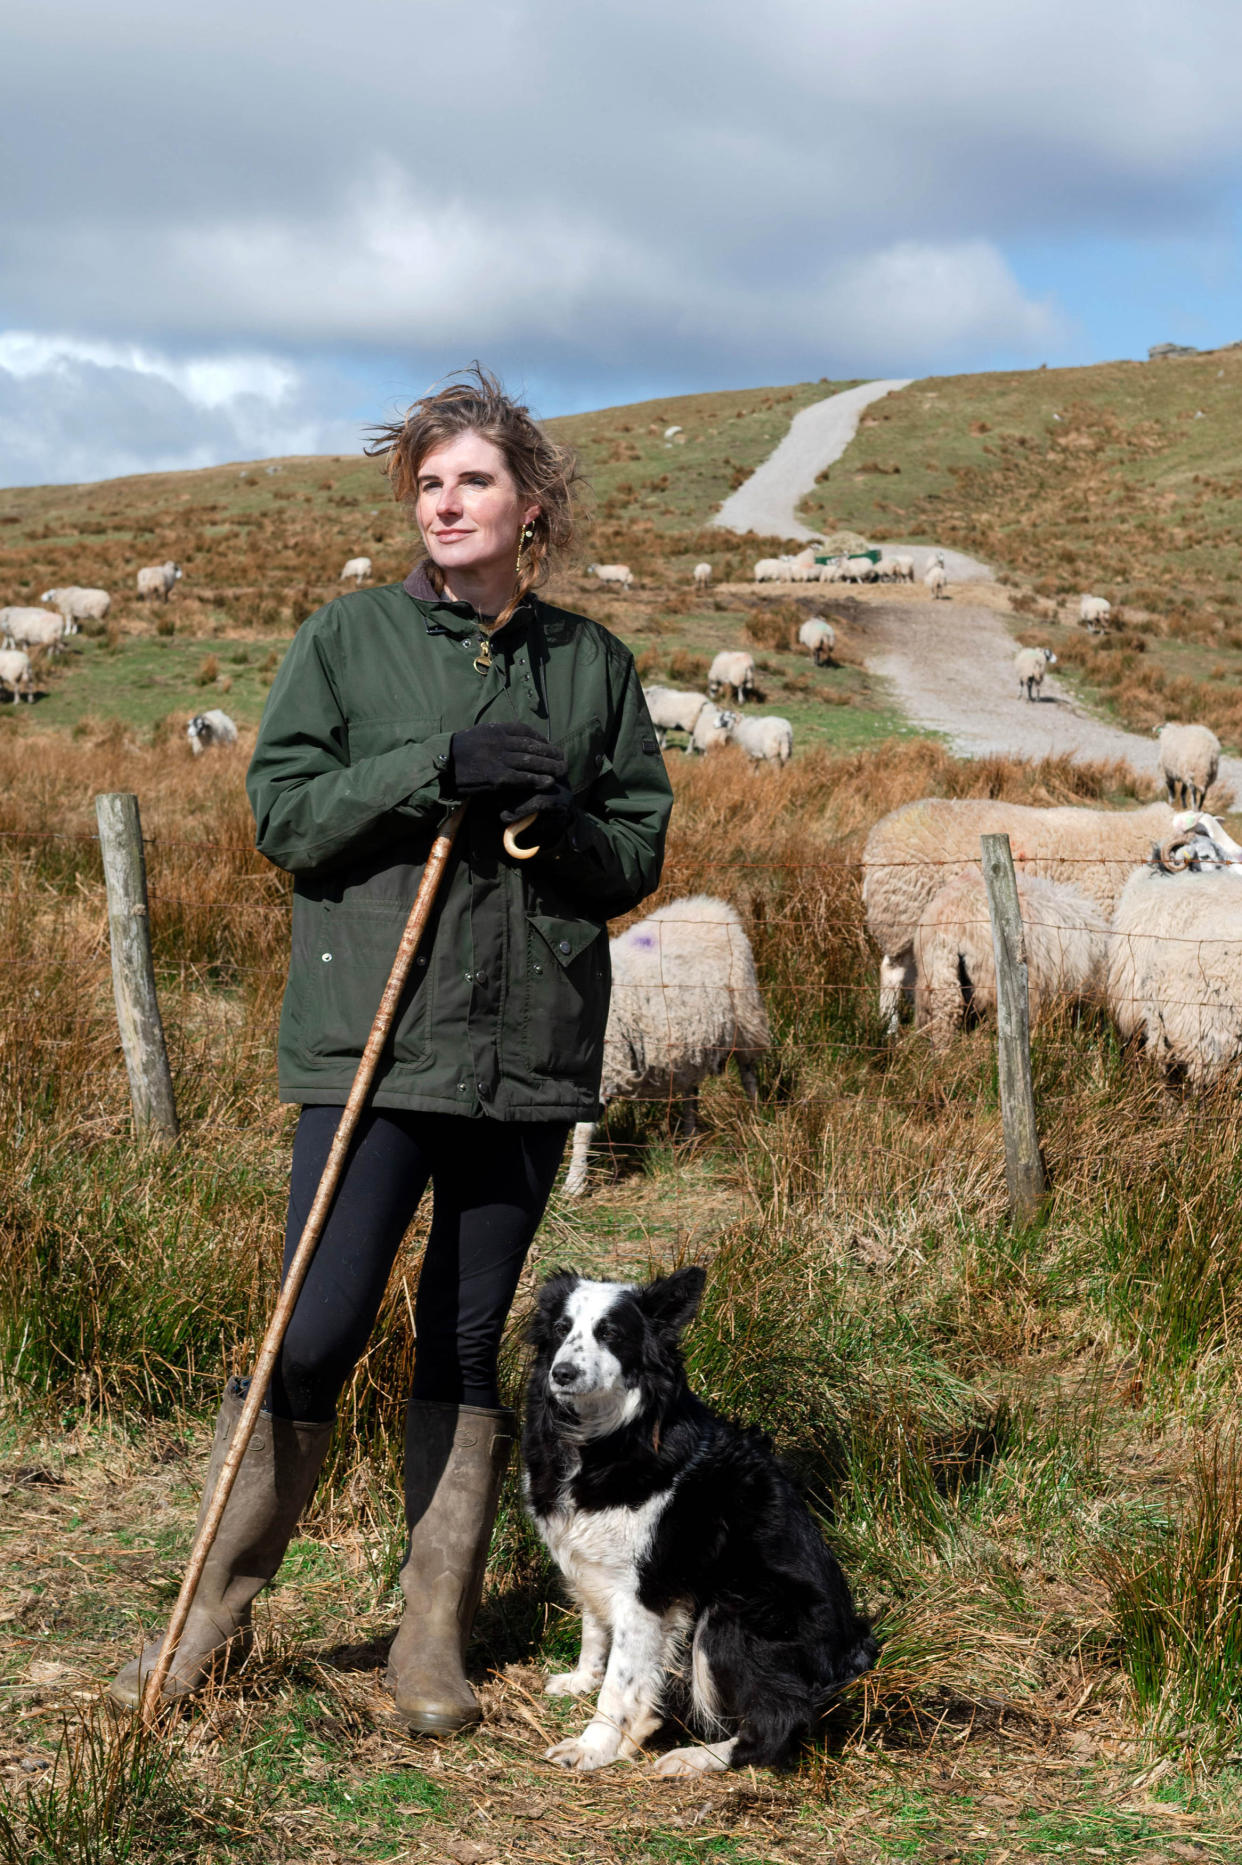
[606, 1349]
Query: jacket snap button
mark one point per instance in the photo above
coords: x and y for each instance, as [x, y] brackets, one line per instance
[565, 947]
[327, 958]
[483, 1089]
[538, 970]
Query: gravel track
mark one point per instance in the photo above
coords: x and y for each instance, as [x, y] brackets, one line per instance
[950, 668]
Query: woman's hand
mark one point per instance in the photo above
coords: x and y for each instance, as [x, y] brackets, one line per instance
[487, 758]
[553, 808]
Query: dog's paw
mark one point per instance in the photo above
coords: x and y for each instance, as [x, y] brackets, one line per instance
[572, 1684]
[581, 1754]
[681, 1764]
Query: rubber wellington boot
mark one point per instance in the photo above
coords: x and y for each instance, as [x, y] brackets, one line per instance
[274, 1484]
[455, 1457]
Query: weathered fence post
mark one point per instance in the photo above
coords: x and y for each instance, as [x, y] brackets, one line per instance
[133, 975]
[1024, 1168]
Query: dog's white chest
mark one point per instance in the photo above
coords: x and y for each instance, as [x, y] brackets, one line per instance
[599, 1550]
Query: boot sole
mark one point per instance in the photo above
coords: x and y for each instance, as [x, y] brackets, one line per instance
[436, 1722]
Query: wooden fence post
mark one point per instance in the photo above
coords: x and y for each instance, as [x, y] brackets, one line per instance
[1024, 1167]
[133, 974]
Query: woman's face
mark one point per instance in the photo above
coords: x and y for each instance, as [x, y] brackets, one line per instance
[469, 509]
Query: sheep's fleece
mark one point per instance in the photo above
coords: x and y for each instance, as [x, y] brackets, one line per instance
[1175, 969]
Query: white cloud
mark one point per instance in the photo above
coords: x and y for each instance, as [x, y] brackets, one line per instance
[73, 409]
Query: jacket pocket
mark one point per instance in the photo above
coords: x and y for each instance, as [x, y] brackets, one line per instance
[340, 965]
[567, 985]
[584, 753]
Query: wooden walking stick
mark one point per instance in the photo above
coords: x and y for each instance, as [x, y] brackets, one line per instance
[428, 886]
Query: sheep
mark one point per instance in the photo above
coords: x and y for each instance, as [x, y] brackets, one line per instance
[820, 636]
[772, 570]
[1175, 969]
[1065, 938]
[1030, 665]
[684, 999]
[1189, 761]
[712, 729]
[1094, 611]
[702, 575]
[15, 673]
[673, 711]
[765, 740]
[671, 433]
[210, 728]
[619, 573]
[937, 581]
[732, 671]
[78, 605]
[887, 570]
[910, 851]
[357, 567]
[32, 628]
[904, 569]
[158, 579]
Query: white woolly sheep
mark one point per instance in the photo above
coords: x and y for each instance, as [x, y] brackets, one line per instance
[1030, 665]
[910, 852]
[32, 628]
[937, 581]
[712, 729]
[1094, 611]
[732, 672]
[702, 575]
[684, 1000]
[905, 569]
[210, 728]
[670, 433]
[673, 710]
[820, 637]
[1189, 761]
[15, 673]
[158, 579]
[1175, 969]
[357, 567]
[619, 573]
[78, 605]
[1065, 937]
[765, 740]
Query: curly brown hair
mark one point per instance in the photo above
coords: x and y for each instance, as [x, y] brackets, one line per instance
[474, 402]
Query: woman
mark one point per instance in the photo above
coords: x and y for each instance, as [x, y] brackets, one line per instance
[391, 707]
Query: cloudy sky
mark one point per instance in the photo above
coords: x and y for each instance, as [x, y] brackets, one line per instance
[237, 229]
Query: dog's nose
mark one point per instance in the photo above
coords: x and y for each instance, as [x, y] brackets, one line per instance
[564, 1373]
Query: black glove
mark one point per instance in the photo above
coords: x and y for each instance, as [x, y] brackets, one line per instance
[553, 810]
[484, 758]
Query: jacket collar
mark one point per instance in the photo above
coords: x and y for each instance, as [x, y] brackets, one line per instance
[460, 618]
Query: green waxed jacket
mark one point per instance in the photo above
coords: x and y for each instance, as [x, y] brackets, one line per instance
[505, 1012]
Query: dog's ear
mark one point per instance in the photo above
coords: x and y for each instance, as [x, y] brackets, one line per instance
[548, 1304]
[670, 1302]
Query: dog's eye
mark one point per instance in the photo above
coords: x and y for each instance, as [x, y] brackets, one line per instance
[561, 1329]
[605, 1334]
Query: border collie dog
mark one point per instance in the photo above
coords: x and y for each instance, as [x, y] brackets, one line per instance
[705, 1587]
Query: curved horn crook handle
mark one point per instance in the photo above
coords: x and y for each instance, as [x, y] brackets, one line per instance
[511, 838]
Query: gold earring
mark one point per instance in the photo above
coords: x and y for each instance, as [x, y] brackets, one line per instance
[524, 537]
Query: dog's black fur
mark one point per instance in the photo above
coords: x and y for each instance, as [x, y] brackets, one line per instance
[771, 1609]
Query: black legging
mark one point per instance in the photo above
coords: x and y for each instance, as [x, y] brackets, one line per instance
[490, 1183]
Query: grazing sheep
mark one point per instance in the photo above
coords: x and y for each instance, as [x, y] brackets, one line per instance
[1189, 761]
[887, 571]
[671, 433]
[711, 729]
[1066, 941]
[1175, 969]
[15, 673]
[732, 672]
[702, 575]
[772, 569]
[32, 628]
[210, 728]
[158, 579]
[673, 711]
[684, 999]
[937, 581]
[820, 637]
[905, 569]
[1094, 611]
[357, 567]
[765, 740]
[619, 573]
[910, 852]
[1030, 665]
[78, 605]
